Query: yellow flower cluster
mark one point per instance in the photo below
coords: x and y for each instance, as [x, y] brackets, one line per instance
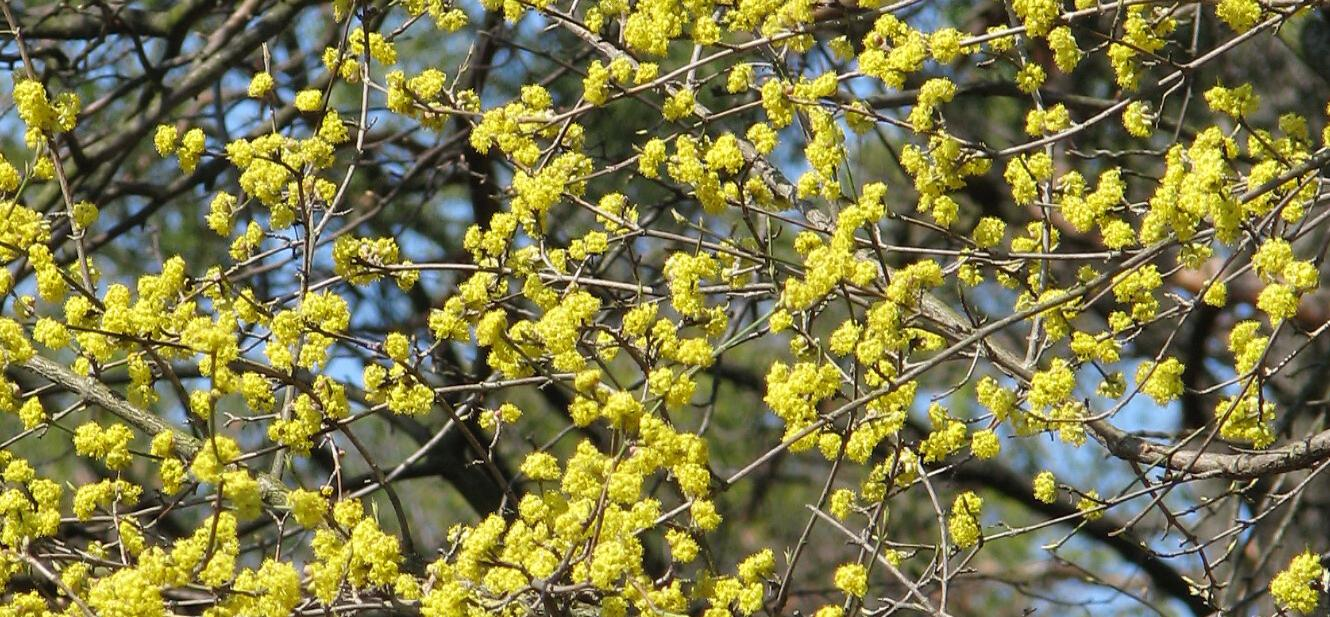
[1236, 102]
[1030, 78]
[689, 166]
[1040, 121]
[686, 273]
[679, 105]
[963, 524]
[187, 151]
[1287, 278]
[1246, 418]
[1138, 119]
[948, 435]
[29, 507]
[885, 418]
[825, 152]
[110, 444]
[989, 232]
[551, 529]
[793, 393]
[1194, 186]
[1240, 15]
[172, 469]
[1024, 173]
[1052, 385]
[1136, 288]
[308, 100]
[212, 461]
[271, 590]
[380, 49]
[326, 400]
[541, 466]
[370, 557]
[1090, 506]
[308, 507]
[984, 444]
[852, 578]
[1086, 346]
[43, 116]
[420, 97]
[261, 84]
[1045, 487]
[9, 176]
[365, 260]
[945, 45]
[102, 494]
[126, 593]
[934, 92]
[1065, 52]
[1144, 32]
[908, 50]
[561, 327]
[1297, 586]
[1161, 382]
[1038, 15]
[941, 168]
[536, 194]
[446, 17]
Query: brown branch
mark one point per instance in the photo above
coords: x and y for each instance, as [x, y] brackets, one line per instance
[1106, 530]
[94, 392]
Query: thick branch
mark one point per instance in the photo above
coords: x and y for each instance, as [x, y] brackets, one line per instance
[96, 393]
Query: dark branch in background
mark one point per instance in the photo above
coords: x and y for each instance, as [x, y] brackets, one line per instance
[1196, 375]
[201, 76]
[60, 24]
[1107, 530]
